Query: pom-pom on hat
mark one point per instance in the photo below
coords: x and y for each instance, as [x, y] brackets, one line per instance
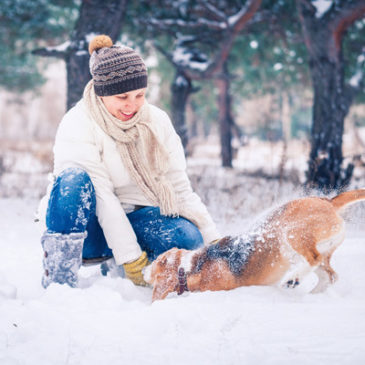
[115, 70]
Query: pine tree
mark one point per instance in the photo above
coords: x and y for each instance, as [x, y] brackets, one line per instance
[25, 25]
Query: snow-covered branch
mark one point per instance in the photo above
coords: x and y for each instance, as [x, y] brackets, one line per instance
[59, 51]
[239, 20]
[233, 23]
[192, 59]
[180, 23]
[196, 64]
[185, 58]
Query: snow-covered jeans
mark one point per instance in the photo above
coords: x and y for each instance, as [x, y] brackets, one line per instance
[72, 207]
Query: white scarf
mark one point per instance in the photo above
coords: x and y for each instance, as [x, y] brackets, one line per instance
[148, 164]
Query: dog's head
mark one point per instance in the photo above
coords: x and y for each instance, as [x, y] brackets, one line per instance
[162, 274]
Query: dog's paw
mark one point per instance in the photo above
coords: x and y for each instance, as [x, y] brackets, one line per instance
[292, 283]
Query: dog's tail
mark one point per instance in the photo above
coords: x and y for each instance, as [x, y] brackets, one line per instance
[349, 197]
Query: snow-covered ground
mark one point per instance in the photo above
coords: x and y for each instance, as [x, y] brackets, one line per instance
[110, 321]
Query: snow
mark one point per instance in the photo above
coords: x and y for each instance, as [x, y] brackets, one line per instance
[234, 19]
[63, 47]
[254, 44]
[322, 6]
[278, 66]
[81, 53]
[109, 320]
[90, 36]
[356, 79]
[181, 81]
[182, 56]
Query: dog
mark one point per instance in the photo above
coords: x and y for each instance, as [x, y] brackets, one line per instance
[294, 240]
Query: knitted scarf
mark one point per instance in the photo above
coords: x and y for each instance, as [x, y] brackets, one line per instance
[147, 161]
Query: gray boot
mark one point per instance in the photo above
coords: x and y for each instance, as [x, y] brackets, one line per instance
[62, 257]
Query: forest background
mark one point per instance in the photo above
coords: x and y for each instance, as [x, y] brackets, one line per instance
[235, 76]
[267, 97]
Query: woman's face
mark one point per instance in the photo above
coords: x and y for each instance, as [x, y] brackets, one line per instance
[125, 106]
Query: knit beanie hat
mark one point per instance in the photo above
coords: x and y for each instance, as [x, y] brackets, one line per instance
[115, 70]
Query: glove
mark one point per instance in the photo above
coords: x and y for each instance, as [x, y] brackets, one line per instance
[133, 270]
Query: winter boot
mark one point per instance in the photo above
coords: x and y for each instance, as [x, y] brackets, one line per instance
[62, 257]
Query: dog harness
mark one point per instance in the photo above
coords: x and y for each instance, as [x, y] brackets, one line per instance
[183, 285]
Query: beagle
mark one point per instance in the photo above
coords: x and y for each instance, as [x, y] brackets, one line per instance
[294, 240]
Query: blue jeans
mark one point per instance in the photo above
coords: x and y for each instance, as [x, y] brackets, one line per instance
[72, 207]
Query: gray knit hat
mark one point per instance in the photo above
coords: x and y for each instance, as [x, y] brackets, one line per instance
[115, 70]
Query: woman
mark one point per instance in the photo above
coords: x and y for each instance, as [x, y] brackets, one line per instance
[120, 185]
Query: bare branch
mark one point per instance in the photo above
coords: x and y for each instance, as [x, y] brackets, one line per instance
[237, 22]
[345, 10]
[214, 11]
[350, 11]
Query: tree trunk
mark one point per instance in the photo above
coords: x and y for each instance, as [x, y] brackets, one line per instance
[286, 129]
[96, 17]
[181, 88]
[331, 105]
[224, 116]
[285, 116]
[194, 129]
[332, 98]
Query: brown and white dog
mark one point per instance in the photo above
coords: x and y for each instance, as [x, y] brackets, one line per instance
[296, 239]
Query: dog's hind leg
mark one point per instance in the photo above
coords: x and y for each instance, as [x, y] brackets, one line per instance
[326, 276]
[299, 267]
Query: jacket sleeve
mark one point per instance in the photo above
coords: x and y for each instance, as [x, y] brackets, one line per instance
[180, 180]
[76, 146]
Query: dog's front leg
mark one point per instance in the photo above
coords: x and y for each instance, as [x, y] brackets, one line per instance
[299, 268]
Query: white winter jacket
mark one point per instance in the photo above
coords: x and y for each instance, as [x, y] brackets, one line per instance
[80, 142]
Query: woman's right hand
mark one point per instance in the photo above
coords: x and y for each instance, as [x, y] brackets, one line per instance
[133, 270]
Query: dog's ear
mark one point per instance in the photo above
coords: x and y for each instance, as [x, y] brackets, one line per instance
[158, 265]
[165, 278]
[163, 261]
[163, 285]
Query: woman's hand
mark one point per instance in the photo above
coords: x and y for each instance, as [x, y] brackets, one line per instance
[133, 270]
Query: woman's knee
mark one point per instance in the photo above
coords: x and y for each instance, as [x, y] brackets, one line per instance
[73, 177]
[71, 202]
[190, 237]
[73, 183]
